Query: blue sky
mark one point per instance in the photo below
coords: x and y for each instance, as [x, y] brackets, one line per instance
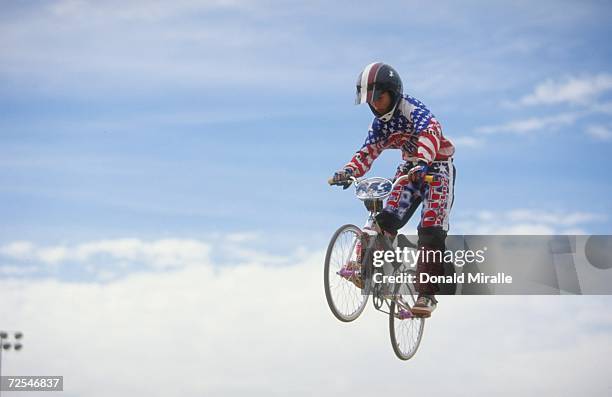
[152, 119]
[144, 144]
[155, 121]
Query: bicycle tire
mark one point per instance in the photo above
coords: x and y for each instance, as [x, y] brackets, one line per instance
[406, 334]
[333, 264]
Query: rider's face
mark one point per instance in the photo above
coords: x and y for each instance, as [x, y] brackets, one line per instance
[383, 103]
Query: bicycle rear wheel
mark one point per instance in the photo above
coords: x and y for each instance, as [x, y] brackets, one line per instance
[405, 329]
[345, 299]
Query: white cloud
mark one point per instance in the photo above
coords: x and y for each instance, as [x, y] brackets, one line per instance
[600, 132]
[602, 107]
[468, 142]
[242, 237]
[574, 90]
[138, 10]
[112, 258]
[554, 122]
[117, 47]
[532, 124]
[105, 47]
[266, 330]
[16, 270]
[52, 255]
[554, 218]
[525, 229]
[17, 249]
[160, 253]
[525, 222]
[157, 254]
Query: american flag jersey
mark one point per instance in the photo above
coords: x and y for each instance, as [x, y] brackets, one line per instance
[413, 129]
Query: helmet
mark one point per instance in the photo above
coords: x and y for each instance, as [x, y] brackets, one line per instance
[375, 79]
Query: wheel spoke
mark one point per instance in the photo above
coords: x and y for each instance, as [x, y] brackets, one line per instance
[344, 297]
[405, 334]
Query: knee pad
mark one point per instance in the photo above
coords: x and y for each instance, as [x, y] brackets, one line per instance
[432, 237]
[388, 222]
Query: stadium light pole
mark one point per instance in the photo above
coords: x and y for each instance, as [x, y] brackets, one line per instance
[5, 344]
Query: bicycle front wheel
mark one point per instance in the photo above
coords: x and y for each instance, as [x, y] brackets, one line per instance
[344, 297]
[405, 329]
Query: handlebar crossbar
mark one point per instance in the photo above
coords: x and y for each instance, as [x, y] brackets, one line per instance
[352, 179]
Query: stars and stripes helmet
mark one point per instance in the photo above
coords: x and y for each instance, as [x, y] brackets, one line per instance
[375, 79]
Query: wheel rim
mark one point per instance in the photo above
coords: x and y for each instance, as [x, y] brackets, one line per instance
[406, 333]
[344, 297]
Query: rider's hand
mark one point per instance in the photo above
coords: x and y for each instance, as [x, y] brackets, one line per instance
[418, 172]
[343, 177]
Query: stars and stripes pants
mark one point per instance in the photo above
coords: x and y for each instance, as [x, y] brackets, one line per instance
[437, 198]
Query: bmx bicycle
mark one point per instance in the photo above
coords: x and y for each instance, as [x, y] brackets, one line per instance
[350, 273]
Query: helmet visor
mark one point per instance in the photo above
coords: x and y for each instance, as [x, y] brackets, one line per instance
[369, 95]
[367, 90]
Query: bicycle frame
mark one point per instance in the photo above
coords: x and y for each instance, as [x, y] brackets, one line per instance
[354, 263]
[377, 241]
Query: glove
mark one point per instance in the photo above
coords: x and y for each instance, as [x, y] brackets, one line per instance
[418, 172]
[342, 175]
[342, 178]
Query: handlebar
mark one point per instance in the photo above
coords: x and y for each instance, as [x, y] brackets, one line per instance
[331, 182]
[426, 179]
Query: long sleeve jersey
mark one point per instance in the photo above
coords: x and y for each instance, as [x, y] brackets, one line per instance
[413, 129]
